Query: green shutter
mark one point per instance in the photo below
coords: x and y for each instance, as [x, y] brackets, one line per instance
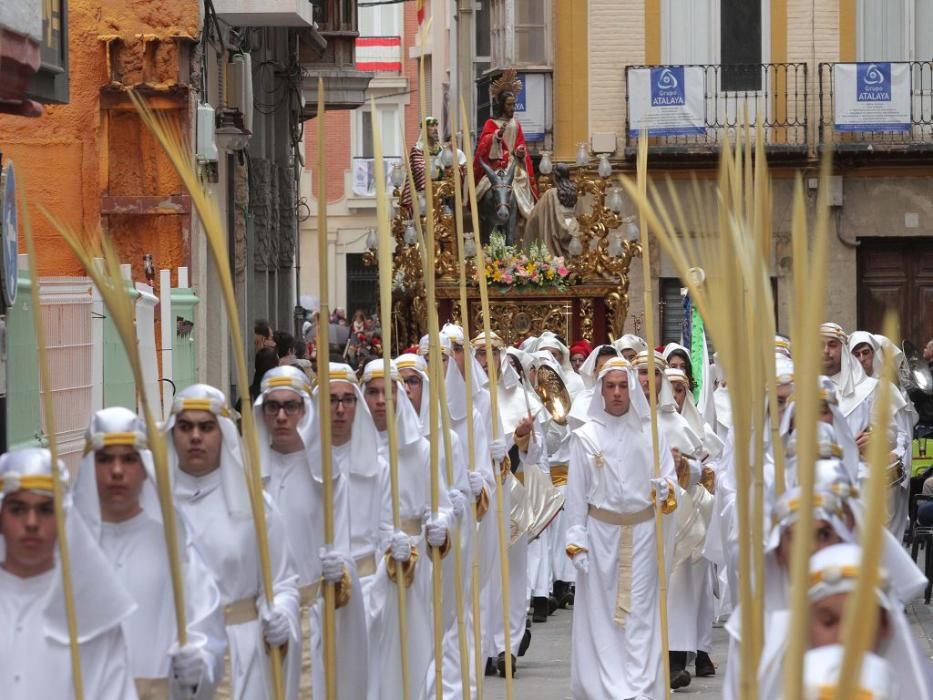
[184, 355]
[119, 387]
[24, 418]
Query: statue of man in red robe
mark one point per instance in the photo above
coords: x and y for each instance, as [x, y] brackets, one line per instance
[501, 140]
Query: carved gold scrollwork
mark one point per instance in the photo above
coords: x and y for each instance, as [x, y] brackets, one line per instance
[586, 319]
[515, 320]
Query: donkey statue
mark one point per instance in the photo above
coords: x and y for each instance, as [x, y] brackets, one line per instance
[497, 208]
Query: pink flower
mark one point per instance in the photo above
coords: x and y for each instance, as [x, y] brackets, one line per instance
[563, 271]
[507, 278]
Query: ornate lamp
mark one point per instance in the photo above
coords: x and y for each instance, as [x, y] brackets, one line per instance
[545, 166]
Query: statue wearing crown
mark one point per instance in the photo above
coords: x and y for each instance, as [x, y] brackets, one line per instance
[506, 188]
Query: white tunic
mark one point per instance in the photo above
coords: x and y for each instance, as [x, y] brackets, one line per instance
[33, 665]
[136, 548]
[299, 498]
[611, 466]
[228, 547]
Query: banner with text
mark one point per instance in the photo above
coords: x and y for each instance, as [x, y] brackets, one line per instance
[871, 96]
[667, 101]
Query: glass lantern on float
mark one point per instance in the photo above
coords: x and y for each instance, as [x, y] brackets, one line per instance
[575, 247]
[545, 166]
[604, 169]
[447, 156]
[614, 199]
[631, 230]
[411, 235]
[397, 176]
[583, 155]
[372, 241]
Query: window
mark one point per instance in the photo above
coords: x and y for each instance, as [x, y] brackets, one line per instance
[381, 20]
[894, 30]
[740, 47]
[362, 284]
[390, 126]
[519, 33]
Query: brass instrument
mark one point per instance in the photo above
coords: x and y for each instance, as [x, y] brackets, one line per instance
[553, 394]
[918, 371]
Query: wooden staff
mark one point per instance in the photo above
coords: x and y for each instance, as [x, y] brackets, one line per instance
[48, 408]
[435, 360]
[858, 629]
[479, 669]
[323, 374]
[493, 372]
[179, 153]
[385, 311]
[642, 181]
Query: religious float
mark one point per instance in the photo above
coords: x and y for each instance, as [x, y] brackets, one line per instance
[557, 248]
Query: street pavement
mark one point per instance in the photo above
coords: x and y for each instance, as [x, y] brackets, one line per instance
[544, 672]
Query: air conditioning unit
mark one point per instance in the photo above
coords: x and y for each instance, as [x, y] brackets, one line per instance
[240, 87]
[266, 13]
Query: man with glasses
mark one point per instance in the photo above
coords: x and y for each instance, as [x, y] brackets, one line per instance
[285, 418]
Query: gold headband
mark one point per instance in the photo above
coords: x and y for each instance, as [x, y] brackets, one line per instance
[208, 405]
[32, 482]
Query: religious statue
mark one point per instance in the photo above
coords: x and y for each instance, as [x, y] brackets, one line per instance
[506, 187]
[420, 163]
[553, 222]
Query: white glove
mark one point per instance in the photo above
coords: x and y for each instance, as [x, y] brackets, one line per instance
[400, 546]
[275, 626]
[581, 562]
[332, 565]
[662, 488]
[476, 483]
[497, 450]
[457, 502]
[436, 531]
[187, 666]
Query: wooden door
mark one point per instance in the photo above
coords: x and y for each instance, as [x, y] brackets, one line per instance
[896, 273]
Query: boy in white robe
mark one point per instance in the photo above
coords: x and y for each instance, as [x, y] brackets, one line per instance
[616, 637]
[115, 492]
[289, 446]
[423, 528]
[363, 495]
[206, 459]
[35, 659]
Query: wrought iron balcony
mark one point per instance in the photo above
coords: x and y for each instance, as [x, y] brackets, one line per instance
[907, 126]
[774, 92]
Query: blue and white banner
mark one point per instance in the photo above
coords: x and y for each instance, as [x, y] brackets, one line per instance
[871, 96]
[530, 105]
[667, 101]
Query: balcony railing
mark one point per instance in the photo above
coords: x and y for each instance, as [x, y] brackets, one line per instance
[906, 117]
[775, 92]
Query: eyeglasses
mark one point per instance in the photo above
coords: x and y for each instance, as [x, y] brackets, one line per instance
[272, 408]
[348, 400]
[413, 381]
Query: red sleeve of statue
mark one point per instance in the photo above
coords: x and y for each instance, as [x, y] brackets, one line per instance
[483, 146]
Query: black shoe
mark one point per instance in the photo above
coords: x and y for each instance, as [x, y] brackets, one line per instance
[704, 665]
[540, 607]
[500, 664]
[490, 666]
[563, 594]
[525, 643]
[678, 661]
[681, 679]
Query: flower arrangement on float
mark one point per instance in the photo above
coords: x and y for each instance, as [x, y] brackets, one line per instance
[509, 267]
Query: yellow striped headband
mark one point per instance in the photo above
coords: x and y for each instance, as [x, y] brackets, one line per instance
[407, 364]
[12, 482]
[210, 405]
[642, 361]
[826, 501]
[676, 375]
[828, 692]
[98, 441]
[285, 383]
[379, 373]
[834, 330]
[839, 578]
[343, 375]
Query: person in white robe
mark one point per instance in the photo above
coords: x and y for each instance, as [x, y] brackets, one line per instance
[833, 575]
[549, 342]
[362, 499]
[690, 596]
[629, 345]
[612, 488]
[422, 528]
[115, 492]
[413, 373]
[35, 657]
[289, 447]
[207, 463]
[870, 351]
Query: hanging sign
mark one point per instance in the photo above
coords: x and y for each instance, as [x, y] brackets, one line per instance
[667, 101]
[871, 96]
